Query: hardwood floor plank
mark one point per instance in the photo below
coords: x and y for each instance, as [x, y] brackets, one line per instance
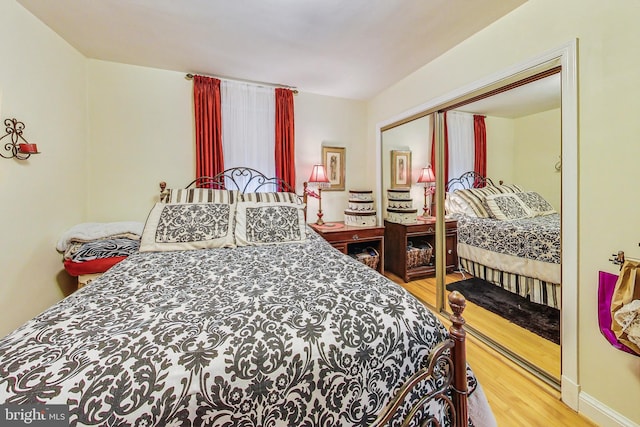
[539, 351]
[517, 397]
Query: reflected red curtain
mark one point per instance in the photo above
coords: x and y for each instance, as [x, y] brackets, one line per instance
[285, 137]
[208, 126]
[446, 147]
[480, 145]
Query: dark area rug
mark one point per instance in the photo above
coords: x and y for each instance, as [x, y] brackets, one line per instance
[537, 318]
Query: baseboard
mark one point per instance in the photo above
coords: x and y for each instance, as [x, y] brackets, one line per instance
[570, 393]
[601, 414]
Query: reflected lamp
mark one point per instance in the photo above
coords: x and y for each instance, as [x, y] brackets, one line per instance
[428, 178]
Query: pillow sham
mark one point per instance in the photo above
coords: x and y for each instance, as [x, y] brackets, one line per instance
[270, 197]
[536, 203]
[507, 206]
[201, 195]
[455, 204]
[186, 226]
[269, 223]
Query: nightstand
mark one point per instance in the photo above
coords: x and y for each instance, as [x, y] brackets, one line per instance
[349, 239]
[400, 237]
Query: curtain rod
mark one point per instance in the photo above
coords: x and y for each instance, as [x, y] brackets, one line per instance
[293, 89]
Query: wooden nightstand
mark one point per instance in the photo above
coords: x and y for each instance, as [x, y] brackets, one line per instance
[399, 236]
[349, 239]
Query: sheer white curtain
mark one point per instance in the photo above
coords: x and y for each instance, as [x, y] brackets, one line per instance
[248, 126]
[461, 142]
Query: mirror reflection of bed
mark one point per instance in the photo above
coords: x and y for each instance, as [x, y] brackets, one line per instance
[523, 133]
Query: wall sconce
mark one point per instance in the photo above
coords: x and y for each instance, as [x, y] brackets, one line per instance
[429, 179]
[15, 148]
[318, 176]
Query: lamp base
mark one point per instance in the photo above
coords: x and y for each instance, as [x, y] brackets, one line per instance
[320, 221]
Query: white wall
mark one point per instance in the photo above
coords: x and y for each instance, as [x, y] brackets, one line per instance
[608, 99]
[42, 83]
[141, 133]
[500, 149]
[525, 150]
[537, 150]
[334, 122]
[414, 136]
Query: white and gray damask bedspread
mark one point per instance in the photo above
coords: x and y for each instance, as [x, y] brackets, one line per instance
[530, 247]
[287, 335]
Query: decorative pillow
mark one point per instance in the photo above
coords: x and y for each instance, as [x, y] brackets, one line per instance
[474, 198]
[455, 204]
[507, 206]
[269, 223]
[536, 203]
[184, 226]
[266, 197]
[201, 195]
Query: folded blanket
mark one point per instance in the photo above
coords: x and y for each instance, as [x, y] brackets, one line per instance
[103, 248]
[89, 231]
[96, 266]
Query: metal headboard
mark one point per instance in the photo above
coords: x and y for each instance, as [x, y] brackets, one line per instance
[469, 179]
[243, 179]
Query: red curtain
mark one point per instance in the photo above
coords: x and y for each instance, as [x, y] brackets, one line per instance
[285, 138]
[480, 145]
[446, 147]
[208, 130]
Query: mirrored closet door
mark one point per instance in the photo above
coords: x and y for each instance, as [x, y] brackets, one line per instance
[496, 239]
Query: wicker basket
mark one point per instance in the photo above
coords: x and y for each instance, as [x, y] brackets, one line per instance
[369, 256]
[419, 255]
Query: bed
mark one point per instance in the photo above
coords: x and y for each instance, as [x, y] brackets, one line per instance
[272, 327]
[507, 236]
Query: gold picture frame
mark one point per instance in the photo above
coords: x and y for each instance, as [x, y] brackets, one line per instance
[334, 161]
[400, 168]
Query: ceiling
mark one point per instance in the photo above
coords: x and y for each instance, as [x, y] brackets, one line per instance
[344, 48]
[531, 98]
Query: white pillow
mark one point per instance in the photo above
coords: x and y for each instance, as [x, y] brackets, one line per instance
[264, 223]
[455, 204]
[185, 226]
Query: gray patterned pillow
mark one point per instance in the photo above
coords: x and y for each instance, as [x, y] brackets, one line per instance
[507, 206]
[269, 223]
[184, 226]
[536, 203]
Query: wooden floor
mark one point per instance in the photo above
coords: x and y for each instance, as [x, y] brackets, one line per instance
[541, 352]
[517, 397]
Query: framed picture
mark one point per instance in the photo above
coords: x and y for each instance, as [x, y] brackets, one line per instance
[400, 168]
[333, 159]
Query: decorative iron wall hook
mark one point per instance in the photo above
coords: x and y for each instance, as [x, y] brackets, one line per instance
[17, 147]
[558, 165]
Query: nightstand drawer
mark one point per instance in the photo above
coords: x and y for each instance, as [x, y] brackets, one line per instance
[341, 246]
